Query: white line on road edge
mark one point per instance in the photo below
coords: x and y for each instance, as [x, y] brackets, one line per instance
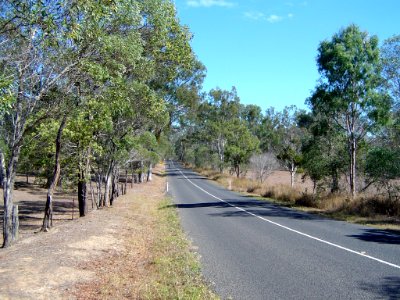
[294, 230]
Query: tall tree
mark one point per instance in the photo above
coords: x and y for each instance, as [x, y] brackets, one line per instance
[390, 53]
[32, 35]
[350, 89]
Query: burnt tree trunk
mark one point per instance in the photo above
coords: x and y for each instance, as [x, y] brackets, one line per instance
[108, 183]
[113, 190]
[48, 212]
[133, 175]
[82, 186]
[126, 181]
[2, 168]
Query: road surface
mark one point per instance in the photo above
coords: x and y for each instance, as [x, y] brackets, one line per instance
[252, 249]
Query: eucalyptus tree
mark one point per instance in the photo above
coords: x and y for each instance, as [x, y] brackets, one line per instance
[218, 114]
[285, 138]
[241, 145]
[390, 54]
[269, 133]
[323, 150]
[32, 40]
[253, 117]
[350, 89]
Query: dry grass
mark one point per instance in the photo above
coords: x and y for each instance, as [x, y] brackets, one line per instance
[157, 262]
[282, 193]
[176, 270]
[366, 209]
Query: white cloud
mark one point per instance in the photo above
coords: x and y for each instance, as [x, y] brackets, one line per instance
[274, 18]
[254, 15]
[209, 3]
[259, 16]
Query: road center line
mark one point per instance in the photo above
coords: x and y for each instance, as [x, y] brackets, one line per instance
[293, 230]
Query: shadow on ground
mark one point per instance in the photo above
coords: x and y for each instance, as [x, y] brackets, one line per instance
[388, 289]
[257, 207]
[379, 236]
[268, 210]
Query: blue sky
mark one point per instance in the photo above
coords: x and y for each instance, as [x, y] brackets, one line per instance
[267, 49]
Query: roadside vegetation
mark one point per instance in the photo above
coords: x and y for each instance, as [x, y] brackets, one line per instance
[374, 210]
[345, 147]
[94, 93]
[177, 273]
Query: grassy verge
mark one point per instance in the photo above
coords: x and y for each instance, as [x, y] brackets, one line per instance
[176, 269]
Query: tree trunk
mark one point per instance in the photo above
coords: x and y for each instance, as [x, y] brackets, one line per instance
[9, 228]
[82, 185]
[113, 192]
[150, 172]
[2, 169]
[94, 201]
[114, 186]
[107, 189]
[15, 223]
[237, 168]
[133, 175]
[352, 173]
[141, 179]
[126, 181]
[98, 184]
[48, 212]
[293, 170]
[335, 183]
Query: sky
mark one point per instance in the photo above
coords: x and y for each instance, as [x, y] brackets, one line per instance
[267, 48]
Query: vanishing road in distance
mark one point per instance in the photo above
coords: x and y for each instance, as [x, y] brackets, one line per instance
[252, 249]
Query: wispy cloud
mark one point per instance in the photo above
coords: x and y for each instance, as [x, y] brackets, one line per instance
[254, 15]
[209, 3]
[259, 16]
[274, 18]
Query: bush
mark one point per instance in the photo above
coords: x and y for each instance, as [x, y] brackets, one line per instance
[281, 192]
[307, 200]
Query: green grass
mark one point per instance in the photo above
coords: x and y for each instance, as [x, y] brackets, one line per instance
[177, 268]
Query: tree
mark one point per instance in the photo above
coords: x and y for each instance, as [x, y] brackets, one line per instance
[241, 144]
[290, 136]
[215, 118]
[383, 167]
[263, 165]
[390, 53]
[350, 89]
[323, 150]
[30, 37]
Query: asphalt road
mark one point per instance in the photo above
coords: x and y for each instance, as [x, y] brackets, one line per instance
[251, 249]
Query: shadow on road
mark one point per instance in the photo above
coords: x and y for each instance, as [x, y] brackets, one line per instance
[379, 236]
[388, 289]
[257, 207]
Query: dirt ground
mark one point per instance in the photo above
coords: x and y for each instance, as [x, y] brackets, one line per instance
[72, 260]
